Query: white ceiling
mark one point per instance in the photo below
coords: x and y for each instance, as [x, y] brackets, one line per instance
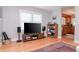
[47, 8]
[69, 10]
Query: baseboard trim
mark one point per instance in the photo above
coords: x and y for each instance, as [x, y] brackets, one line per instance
[14, 39]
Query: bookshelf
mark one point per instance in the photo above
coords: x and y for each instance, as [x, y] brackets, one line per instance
[52, 30]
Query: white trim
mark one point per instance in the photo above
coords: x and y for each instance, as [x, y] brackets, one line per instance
[14, 39]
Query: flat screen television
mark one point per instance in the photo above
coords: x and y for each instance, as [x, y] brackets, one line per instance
[32, 28]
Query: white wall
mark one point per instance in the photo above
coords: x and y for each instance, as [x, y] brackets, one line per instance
[59, 22]
[77, 24]
[57, 13]
[11, 19]
[0, 24]
[0, 29]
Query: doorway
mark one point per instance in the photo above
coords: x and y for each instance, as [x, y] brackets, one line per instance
[68, 22]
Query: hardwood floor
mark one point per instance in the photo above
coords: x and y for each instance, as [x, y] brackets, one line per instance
[32, 45]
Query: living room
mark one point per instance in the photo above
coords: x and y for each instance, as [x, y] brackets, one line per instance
[12, 17]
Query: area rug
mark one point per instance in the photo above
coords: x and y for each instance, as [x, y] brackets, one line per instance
[58, 47]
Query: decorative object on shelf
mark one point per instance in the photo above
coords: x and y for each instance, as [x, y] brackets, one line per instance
[34, 37]
[51, 21]
[19, 31]
[54, 17]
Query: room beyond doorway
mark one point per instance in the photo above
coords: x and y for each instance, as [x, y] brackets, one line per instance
[68, 22]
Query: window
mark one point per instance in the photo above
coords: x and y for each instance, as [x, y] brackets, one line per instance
[37, 18]
[27, 17]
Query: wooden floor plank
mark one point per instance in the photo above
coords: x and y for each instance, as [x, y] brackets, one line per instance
[32, 45]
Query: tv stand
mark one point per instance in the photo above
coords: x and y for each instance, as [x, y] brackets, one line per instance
[29, 37]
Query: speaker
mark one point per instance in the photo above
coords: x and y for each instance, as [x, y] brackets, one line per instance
[18, 29]
[43, 28]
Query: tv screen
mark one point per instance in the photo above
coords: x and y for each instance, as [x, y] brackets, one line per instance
[32, 28]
